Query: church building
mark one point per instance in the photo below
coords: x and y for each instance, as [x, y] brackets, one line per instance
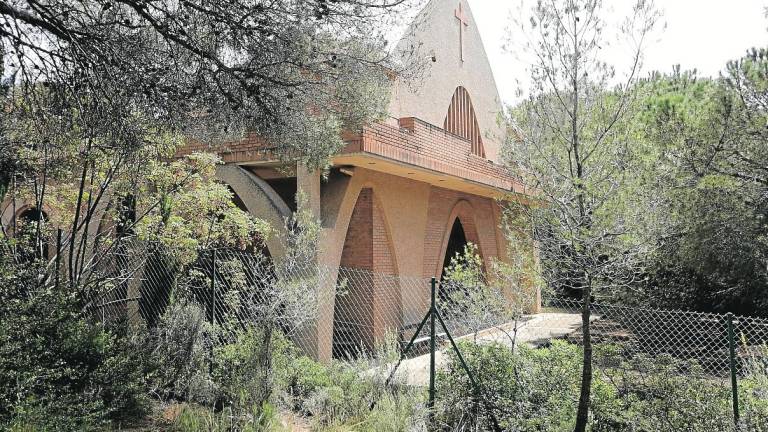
[405, 194]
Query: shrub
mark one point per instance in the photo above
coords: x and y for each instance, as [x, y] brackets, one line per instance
[753, 392]
[240, 372]
[201, 419]
[60, 371]
[538, 389]
[182, 353]
[305, 376]
[352, 396]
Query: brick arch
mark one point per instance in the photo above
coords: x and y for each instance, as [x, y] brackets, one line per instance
[465, 213]
[344, 217]
[372, 304]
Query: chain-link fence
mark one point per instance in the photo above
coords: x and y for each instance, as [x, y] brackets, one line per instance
[701, 339]
[342, 314]
[718, 350]
[339, 313]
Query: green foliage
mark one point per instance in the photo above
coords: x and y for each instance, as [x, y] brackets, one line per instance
[304, 377]
[345, 405]
[537, 389]
[257, 372]
[61, 371]
[181, 351]
[264, 418]
[243, 371]
[474, 298]
[533, 390]
[185, 208]
[705, 144]
[348, 396]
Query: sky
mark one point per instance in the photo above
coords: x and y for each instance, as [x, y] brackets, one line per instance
[700, 34]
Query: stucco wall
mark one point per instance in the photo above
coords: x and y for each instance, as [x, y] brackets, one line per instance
[414, 219]
[435, 31]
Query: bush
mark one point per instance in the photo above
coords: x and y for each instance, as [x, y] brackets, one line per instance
[538, 389]
[60, 371]
[531, 390]
[200, 419]
[305, 376]
[181, 350]
[240, 370]
[349, 396]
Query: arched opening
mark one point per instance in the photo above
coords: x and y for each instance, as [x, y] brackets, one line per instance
[368, 302]
[457, 241]
[353, 312]
[31, 223]
[126, 215]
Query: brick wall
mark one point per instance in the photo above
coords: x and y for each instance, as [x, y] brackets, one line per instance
[476, 216]
[249, 149]
[424, 145]
[372, 302]
[387, 309]
[357, 252]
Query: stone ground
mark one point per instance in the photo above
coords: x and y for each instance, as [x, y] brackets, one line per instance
[534, 330]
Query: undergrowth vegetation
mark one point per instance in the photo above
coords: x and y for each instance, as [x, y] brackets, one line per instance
[536, 389]
[63, 371]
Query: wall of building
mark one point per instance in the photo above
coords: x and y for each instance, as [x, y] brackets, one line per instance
[408, 231]
[435, 33]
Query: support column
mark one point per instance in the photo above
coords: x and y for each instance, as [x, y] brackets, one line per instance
[317, 338]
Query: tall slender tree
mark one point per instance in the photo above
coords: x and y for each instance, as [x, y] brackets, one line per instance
[573, 147]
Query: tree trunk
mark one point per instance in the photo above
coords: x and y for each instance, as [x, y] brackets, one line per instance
[265, 364]
[582, 413]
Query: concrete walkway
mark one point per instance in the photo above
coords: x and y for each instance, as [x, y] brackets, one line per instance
[534, 330]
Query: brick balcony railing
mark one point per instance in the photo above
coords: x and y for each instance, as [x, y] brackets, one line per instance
[407, 140]
[418, 143]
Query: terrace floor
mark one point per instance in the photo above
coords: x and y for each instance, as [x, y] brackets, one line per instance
[533, 330]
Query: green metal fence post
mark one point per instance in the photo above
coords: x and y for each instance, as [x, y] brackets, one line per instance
[475, 386]
[432, 309]
[212, 306]
[732, 357]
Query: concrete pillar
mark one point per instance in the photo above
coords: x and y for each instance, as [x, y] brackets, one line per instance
[317, 338]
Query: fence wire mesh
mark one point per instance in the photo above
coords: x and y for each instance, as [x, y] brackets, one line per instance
[699, 339]
[343, 314]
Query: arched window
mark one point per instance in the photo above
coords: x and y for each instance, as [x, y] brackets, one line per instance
[461, 120]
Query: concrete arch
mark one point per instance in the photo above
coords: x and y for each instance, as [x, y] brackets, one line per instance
[344, 200]
[259, 198]
[8, 212]
[465, 213]
[338, 200]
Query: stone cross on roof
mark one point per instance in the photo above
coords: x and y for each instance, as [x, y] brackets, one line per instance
[463, 21]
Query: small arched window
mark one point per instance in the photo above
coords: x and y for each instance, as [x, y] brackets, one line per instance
[461, 120]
